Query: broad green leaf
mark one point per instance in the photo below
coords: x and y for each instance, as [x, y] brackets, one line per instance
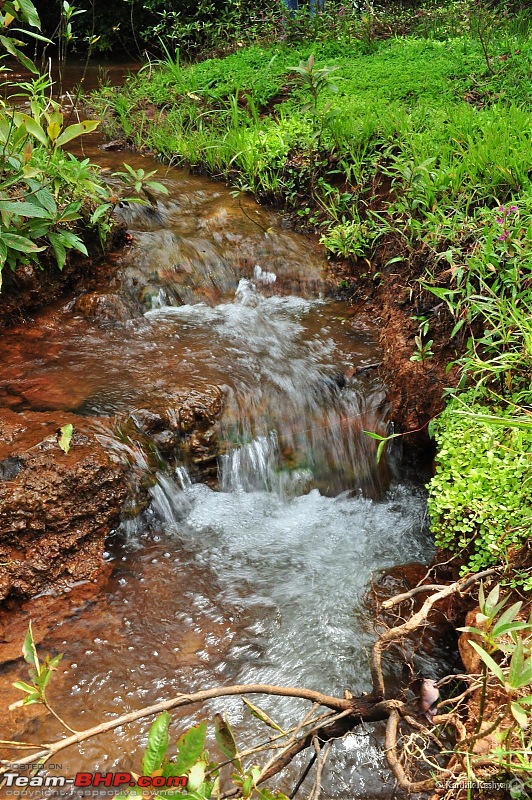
[32, 699]
[157, 187]
[24, 209]
[66, 437]
[508, 616]
[526, 675]
[196, 775]
[100, 211]
[226, 740]
[158, 741]
[70, 212]
[59, 249]
[33, 127]
[24, 687]
[29, 13]
[21, 243]
[43, 196]
[190, 746]
[262, 715]
[29, 651]
[247, 786]
[72, 240]
[516, 663]
[78, 129]
[493, 597]
[53, 130]
[488, 661]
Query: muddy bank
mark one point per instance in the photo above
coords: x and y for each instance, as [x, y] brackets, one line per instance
[31, 287]
[56, 509]
[393, 298]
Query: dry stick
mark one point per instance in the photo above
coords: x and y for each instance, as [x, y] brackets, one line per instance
[357, 707]
[392, 634]
[290, 741]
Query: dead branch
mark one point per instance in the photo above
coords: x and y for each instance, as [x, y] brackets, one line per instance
[358, 709]
[417, 619]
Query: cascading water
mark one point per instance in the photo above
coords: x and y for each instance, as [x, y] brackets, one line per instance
[264, 579]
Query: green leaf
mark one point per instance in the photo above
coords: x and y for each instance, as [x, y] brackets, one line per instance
[78, 129]
[32, 699]
[508, 616]
[190, 746]
[29, 13]
[66, 437]
[24, 687]
[226, 740]
[59, 249]
[29, 651]
[21, 243]
[519, 714]
[525, 678]
[516, 663]
[158, 741]
[33, 127]
[196, 775]
[262, 715]
[24, 209]
[488, 661]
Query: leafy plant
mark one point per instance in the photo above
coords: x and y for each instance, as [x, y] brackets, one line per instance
[479, 498]
[40, 674]
[505, 643]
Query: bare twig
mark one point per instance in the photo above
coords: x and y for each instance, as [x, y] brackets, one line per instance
[417, 619]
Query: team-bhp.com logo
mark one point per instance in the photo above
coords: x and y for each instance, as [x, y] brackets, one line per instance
[86, 780]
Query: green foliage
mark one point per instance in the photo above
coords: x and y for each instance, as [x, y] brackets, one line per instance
[504, 649]
[43, 191]
[40, 673]
[194, 762]
[479, 499]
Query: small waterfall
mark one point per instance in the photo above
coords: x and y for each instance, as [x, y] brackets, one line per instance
[293, 419]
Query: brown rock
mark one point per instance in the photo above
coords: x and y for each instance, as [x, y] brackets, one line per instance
[56, 509]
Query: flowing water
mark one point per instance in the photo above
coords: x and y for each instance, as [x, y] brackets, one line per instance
[263, 580]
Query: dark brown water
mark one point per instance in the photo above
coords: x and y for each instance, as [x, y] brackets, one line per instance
[265, 579]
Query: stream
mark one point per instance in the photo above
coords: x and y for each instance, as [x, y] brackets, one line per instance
[263, 579]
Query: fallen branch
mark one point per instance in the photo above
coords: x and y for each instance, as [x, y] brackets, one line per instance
[392, 729]
[363, 708]
[417, 619]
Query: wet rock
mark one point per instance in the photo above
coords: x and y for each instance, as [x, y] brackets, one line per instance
[183, 431]
[56, 509]
[10, 468]
[138, 214]
[44, 393]
[146, 421]
[115, 144]
[103, 307]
